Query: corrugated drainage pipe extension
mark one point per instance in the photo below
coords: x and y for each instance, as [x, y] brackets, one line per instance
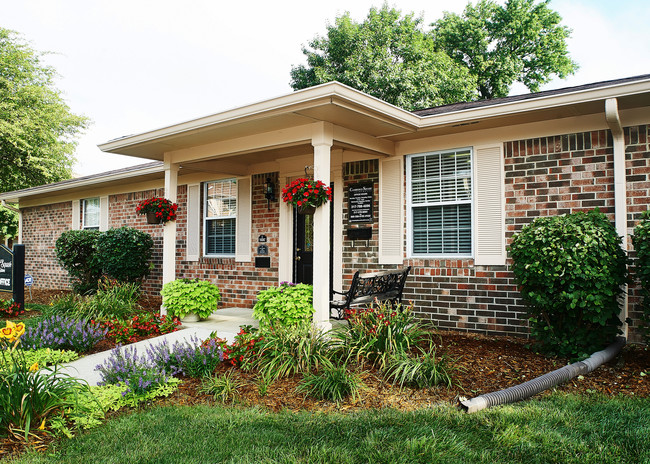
[539, 384]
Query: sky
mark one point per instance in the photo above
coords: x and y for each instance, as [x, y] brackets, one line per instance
[138, 65]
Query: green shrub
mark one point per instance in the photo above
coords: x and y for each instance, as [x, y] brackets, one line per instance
[641, 241]
[184, 296]
[289, 350]
[571, 270]
[420, 371]
[75, 251]
[284, 305]
[334, 383]
[375, 333]
[124, 253]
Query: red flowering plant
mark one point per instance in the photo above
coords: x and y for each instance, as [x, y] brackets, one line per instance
[164, 209]
[245, 346]
[140, 325]
[306, 192]
[10, 309]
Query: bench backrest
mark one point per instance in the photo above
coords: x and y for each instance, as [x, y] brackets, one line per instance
[386, 283]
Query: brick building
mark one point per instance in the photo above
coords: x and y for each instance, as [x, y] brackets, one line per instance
[444, 189]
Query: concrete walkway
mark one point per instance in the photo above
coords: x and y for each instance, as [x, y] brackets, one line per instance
[225, 322]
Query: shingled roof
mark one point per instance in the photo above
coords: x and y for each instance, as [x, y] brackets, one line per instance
[529, 96]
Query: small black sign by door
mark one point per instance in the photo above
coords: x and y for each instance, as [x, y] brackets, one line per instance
[360, 199]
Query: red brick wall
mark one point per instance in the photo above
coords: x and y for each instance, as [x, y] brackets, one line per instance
[42, 225]
[238, 283]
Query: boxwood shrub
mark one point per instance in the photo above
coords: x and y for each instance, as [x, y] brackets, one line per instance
[570, 270]
[641, 241]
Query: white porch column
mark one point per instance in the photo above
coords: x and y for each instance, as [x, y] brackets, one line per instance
[322, 143]
[169, 229]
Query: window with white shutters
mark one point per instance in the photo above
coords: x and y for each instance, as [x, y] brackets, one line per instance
[90, 213]
[220, 217]
[440, 203]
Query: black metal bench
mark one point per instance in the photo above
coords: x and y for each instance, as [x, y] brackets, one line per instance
[366, 288]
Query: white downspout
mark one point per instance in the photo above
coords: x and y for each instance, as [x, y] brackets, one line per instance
[620, 187]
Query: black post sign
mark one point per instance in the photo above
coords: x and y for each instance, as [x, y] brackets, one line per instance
[12, 272]
[360, 198]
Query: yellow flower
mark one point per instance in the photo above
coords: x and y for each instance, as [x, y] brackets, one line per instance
[33, 367]
[42, 426]
[20, 329]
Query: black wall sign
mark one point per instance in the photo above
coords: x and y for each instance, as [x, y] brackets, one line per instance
[360, 198]
[262, 250]
[261, 239]
[6, 270]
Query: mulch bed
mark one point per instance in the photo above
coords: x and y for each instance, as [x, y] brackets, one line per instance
[485, 364]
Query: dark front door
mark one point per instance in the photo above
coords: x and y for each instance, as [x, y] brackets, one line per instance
[304, 248]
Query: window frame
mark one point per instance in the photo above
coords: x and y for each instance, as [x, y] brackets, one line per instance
[206, 219]
[84, 226]
[410, 206]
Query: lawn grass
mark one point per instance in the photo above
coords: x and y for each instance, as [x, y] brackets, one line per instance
[562, 429]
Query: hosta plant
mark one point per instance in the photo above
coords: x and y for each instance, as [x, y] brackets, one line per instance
[286, 304]
[184, 296]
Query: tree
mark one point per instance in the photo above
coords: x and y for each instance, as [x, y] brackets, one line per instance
[37, 129]
[8, 223]
[387, 56]
[520, 41]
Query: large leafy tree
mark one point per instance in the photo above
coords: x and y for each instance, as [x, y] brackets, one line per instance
[37, 128]
[521, 41]
[388, 56]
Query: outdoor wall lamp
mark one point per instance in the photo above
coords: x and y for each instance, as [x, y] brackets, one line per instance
[270, 193]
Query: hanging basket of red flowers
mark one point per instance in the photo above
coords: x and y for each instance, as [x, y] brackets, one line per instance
[158, 210]
[306, 194]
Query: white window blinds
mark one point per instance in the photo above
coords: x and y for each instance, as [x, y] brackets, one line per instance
[441, 203]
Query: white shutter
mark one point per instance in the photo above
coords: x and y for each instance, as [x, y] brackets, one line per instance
[490, 206]
[192, 250]
[391, 207]
[103, 213]
[76, 214]
[244, 220]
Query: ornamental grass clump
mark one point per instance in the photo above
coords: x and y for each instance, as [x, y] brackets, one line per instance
[423, 370]
[641, 241]
[571, 270]
[63, 333]
[289, 350]
[333, 383]
[284, 305]
[375, 333]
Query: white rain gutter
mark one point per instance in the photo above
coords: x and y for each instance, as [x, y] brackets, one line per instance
[620, 188]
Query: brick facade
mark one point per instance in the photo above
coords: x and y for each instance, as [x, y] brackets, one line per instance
[544, 176]
[41, 226]
[238, 283]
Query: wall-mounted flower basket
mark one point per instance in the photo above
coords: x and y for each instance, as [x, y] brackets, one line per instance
[158, 210]
[153, 219]
[306, 209]
[306, 194]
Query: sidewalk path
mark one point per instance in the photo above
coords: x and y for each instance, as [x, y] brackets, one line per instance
[225, 322]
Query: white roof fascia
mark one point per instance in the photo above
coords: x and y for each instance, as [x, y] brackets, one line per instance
[534, 104]
[81, 182]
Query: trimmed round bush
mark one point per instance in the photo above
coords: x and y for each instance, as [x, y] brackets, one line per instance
[75, 251]
[124, 253]
[184, 296]
[641, 241]
[570, 270]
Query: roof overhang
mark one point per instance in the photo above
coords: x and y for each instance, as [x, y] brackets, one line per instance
[332, 102]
